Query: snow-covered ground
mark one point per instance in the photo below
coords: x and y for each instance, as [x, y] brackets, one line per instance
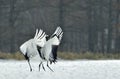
[79, 69]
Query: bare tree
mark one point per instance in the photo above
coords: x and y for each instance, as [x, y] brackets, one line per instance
[109, 27]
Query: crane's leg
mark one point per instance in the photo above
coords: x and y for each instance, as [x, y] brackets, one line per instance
[42, 66]
[27, 58]
[29, 65]
[49, 67]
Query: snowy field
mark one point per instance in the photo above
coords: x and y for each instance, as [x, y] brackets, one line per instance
[80, 69]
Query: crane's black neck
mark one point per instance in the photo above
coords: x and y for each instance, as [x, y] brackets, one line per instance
[40, 54]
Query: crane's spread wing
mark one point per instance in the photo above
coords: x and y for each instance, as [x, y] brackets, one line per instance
[58, 33]
[40, 38]
[55, 41]
[29, 46]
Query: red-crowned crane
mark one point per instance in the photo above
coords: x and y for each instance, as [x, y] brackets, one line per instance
[49, 51]
[29, 48]
[43, 45]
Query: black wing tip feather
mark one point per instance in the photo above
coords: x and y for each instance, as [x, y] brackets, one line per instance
[54, 54]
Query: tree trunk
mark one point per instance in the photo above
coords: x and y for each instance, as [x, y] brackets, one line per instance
[109, 39]
[117, 48]
[11, 24]
[90, 28]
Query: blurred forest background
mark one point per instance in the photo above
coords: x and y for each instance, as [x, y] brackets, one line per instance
[88, 25]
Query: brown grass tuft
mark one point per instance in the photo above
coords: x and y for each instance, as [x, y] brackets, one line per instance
[17, 56]
[66, 55]
[88, 55]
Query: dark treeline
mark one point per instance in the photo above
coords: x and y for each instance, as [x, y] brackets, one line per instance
[88, 25]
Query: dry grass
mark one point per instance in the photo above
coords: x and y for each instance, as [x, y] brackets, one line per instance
[17, 56]
[88, 55]
[66, 55]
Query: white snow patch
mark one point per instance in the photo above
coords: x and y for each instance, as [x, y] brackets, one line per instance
[80, 69]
